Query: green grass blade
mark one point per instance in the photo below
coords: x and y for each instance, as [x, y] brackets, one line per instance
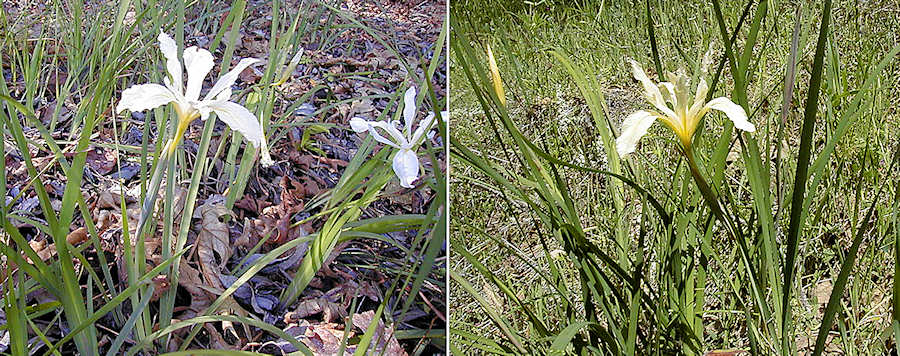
[801, 175]
[840, 283]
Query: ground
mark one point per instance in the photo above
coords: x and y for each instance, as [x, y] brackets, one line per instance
[351, 65]
[547, 106]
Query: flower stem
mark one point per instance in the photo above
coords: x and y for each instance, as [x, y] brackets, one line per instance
[708, 195]
[162, 163]
[713, 203]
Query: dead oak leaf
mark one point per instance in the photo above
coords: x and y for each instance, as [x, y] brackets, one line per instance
[101, 160]
[330, 309]
[213, 242]
[387, 343]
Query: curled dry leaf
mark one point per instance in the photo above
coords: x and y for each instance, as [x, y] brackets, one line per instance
[78, 236]
[213, 242]
[387, 343]
[189, 279]
[160, 285]
[101, 160]
[326, 304]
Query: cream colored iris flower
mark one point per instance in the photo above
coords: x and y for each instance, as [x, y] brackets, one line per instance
[186, 97]
[405, 162]
[676, 108]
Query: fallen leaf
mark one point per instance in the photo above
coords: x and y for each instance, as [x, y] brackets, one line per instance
[213, 242]
[329, 308]
[101, 160]
[78, 236]
[387, 343]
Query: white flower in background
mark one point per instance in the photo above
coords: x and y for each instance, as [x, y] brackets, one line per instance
[676, 109]
[405, 163]
[186, 97]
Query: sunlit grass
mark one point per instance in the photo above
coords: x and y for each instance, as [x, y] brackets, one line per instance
[706, 288]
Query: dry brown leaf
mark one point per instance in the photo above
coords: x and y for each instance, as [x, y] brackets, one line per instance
[101, 160]
[43, 249]
[387, 342]
[323, 339]
[330, 310]
[190, 280]
[213, 242]
[78, 236]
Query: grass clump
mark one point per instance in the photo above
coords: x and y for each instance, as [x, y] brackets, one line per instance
[148, 231]
[767, 242]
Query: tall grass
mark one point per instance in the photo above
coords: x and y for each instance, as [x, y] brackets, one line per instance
[666, 238]
[105, 50]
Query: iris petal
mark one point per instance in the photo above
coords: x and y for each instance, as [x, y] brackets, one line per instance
[241, 120]
[409, 109]
[227, 80]
[634, 127]
[198, 62]
[651, 91]
[406, 167]
[144, 97]
[173, 65]
[734, 112]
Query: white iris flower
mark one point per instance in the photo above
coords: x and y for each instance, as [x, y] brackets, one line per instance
[186, 97]
[405, 163]
[675, 108]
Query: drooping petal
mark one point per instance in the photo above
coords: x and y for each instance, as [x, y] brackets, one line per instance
[409, 109]
[143, 97]
[198, 63]
[359, 125]
[227, 80]
[634, 127]
[170, 50]
[734, 112]
[406, 167]
[223, 95]
[651, 91]
[239, 119]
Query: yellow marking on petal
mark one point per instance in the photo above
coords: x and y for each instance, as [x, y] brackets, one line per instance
[183, 122]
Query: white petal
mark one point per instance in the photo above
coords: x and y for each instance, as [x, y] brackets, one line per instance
[359, 124]
[143, 97]
[651, 91]
[173, 65]
[409, 109]
[239, 119]
[424, 126]
[406, 167]
[264, 158]
[198, 62]
[227, 80]
[667, 90]
[398, 139]
[634, 127]
[223, 95]
[699, 97]
[734, 112]
[445, 115]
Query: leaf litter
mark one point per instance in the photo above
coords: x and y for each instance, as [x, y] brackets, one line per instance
[223, 241]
